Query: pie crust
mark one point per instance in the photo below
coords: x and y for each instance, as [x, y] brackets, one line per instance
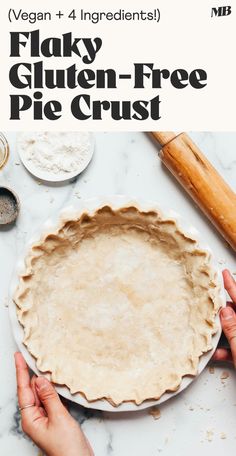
[118, 304]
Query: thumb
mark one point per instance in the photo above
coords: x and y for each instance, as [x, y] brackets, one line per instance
[49, 398]
[228, 321]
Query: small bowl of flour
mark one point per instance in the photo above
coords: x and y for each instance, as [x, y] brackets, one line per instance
[55, 156]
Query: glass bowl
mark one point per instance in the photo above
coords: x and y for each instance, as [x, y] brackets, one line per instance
[4, 150]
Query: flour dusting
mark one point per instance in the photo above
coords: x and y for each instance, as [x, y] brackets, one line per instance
[56, 152]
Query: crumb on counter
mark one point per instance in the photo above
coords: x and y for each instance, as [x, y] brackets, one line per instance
[223, 435]
[222, 261]
[155, 413]
[224, 376]
[6, 302]
[209, 435]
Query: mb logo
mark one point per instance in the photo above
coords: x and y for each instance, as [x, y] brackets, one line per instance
[221, 11]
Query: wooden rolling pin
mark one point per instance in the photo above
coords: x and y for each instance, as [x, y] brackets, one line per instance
[201, 180]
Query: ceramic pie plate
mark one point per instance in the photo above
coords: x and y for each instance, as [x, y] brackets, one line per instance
[115, 202]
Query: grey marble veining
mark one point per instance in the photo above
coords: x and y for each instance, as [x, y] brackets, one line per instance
[124, 163]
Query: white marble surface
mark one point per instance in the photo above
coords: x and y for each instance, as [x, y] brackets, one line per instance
[124, 163]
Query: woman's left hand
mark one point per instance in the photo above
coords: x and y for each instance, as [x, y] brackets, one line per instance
[45, 419]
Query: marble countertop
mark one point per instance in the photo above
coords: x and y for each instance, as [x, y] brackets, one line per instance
[200, 420]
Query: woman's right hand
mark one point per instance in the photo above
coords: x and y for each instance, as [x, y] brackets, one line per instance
[228, 321]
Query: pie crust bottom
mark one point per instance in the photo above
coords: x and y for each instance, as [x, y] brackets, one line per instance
[118, 304]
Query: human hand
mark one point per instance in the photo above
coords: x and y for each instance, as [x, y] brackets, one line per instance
[228, 321]
[45, 419]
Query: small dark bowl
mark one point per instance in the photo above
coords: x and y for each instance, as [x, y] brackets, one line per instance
[9, 206]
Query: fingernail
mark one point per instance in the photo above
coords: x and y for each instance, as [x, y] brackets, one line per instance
[41, 383]
[227, 313]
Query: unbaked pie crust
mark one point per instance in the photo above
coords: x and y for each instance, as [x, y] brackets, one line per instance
[118, 304]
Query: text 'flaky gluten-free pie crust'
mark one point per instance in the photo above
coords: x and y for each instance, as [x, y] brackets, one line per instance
[118, 304]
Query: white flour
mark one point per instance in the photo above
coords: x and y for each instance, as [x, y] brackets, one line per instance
[55, 152]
